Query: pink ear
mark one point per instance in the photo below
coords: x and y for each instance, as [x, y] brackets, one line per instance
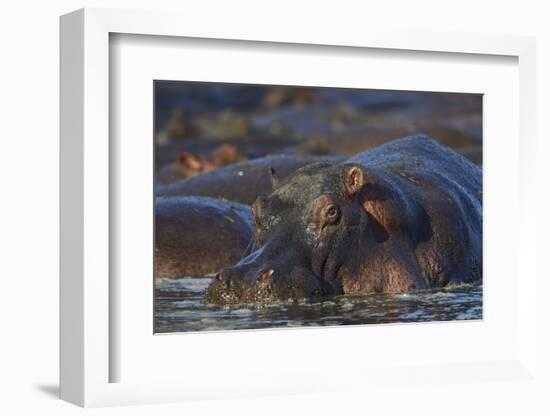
[354, 180]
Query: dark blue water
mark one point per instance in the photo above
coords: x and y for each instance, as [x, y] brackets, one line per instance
[179, 308]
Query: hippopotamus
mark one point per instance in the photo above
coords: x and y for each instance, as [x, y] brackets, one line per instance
[195, 236]
[241, 182]
[403, 217]
[188, 164]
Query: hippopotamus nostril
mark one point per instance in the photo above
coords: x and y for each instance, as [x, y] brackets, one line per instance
[223, 278]
[266, 274]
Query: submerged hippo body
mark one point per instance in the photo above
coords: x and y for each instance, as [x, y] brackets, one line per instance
[195, 236]
[241, 182]
[405, 216]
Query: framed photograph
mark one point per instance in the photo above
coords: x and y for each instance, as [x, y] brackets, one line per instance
[267, 212]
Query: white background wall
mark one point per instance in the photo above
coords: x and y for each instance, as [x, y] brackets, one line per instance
[29, 183]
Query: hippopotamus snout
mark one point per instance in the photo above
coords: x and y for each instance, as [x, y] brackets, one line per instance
[255, 268]
[257, 278]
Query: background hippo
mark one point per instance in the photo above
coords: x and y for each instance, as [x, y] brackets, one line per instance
[195, 236]
[187, 164]
[403, 217]
[241, 182]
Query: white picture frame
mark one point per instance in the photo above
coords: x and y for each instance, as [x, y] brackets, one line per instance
[86, 355]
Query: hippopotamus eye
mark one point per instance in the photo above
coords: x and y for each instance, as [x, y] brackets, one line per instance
[332, 212]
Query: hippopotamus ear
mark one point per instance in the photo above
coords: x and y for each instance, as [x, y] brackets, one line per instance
[189, 161]
[354, 179]
[274, 177]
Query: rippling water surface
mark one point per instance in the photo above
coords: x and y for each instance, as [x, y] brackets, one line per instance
[179, 308]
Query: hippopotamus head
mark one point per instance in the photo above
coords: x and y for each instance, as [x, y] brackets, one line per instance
[306, 230]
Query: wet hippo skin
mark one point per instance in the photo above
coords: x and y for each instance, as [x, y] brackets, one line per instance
[195, 236]
[241, 182]
[403, 217]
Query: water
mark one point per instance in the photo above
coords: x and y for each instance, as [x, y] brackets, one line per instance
[179, 308]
